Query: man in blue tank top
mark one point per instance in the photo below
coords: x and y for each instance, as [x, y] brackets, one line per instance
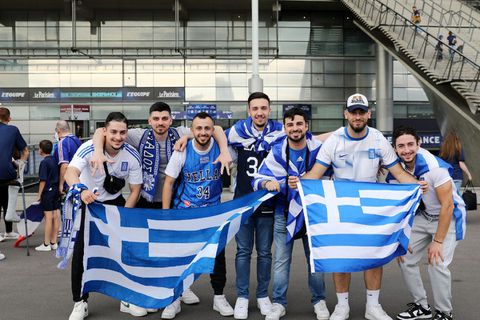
[199, 185]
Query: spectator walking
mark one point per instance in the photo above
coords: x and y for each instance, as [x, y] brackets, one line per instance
[452, 152]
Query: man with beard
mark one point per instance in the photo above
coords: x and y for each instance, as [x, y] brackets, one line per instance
[356, 152]
[199, 185]
[299, 150]
[250, 141]
[155, 146]
[124, 163]
[436, 229]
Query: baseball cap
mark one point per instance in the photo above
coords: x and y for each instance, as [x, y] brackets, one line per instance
[357, 101]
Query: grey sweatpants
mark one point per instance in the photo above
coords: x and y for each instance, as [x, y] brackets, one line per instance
[422, 235]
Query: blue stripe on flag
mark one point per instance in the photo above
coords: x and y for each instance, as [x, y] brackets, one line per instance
[176, 236]
[357, 240]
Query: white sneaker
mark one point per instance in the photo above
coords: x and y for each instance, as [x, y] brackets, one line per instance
[264, 305]
[11, 235]
[321, 310]
[221, 305]
[134, 310]
[172, 310]
[376, 313]
[54, 246]
[276, 312]
[2, 238]
[2, 256]
[188, 297]
[151, 310]
[43, 247]
[341, 312]
[80, 311]
[241, 309]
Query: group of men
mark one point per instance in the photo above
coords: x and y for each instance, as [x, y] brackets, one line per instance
[166, 170]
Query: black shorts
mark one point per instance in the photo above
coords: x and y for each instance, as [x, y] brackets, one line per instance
[50, 199]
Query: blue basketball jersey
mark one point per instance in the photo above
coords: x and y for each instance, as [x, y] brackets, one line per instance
[200, 182]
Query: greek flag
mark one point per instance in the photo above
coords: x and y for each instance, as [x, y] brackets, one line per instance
[356, 226]
[147, 257]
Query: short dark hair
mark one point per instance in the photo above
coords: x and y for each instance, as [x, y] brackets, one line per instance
[4, 114]
[402, 130]
[258, 95]
[291, 113]
[46, 146]
[116, 116]
[160, 106]
[203, 115]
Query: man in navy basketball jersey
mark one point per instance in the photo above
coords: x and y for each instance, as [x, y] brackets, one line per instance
[251, 140]
[199, 185]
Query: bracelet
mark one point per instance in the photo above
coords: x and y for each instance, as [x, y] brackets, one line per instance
[435, 240]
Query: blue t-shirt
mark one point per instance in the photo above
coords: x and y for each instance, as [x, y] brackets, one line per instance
[11, 139]
[298, 157]
[48, 172]
[66, 149]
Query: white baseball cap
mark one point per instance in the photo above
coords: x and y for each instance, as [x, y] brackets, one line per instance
[357, 101]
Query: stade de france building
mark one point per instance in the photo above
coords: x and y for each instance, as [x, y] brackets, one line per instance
[81, 59]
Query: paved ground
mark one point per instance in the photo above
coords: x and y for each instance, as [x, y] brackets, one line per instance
[31, 287]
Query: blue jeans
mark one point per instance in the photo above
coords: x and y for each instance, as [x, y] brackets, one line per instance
[259, 228]
[281, 265]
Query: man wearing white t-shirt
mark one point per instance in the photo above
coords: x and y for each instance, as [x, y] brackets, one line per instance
[124, 163]
[435, 231]
[356, 153]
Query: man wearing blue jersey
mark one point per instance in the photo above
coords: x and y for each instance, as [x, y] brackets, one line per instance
[199, 185]
[299, 150]
[356, 152]
[436, 229]
[67, 145]
[250, 141]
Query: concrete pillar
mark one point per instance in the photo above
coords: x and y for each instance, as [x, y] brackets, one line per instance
[384, 107]
[255, 83]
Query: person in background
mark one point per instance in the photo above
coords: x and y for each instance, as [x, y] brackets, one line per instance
[452, 152]
[67, 145]
[11, 140]
[48, 194]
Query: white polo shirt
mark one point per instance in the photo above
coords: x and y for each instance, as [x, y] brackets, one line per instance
[126, 165]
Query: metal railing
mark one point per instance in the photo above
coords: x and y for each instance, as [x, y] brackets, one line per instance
[422, 47]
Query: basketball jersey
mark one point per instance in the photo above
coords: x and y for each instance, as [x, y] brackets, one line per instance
[200, 182]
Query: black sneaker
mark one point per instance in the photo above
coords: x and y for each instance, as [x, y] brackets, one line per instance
[416, 311]
[443, 316]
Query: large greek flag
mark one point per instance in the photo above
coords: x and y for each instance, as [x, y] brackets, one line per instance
[355, 226]
[148, 257]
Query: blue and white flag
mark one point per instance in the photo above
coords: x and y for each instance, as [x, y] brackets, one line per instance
[356, 226]
[147, 257]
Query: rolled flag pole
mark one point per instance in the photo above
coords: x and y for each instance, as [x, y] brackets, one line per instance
[25, 217]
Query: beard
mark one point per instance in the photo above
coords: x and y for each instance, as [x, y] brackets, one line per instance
[300, 138]
[358, 129]
[203, 144]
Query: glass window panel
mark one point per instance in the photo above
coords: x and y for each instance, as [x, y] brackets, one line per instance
[270, 79]
[299, 80]
[101, 112]
[221, 34]
[231, 93]
[200, 33]
[413, 82]
[145, 80]
[318, 80]
[111, 33]
[400, 94]
[360, 66]
[197, 80]
[45, 112]
[19, 113]
[327, 111]
[294, 66]
[168, 80]
[399, 111]
[416, 94]
[334, 80]
[360, 80]
[299, 93]
[137, 33]
[400, 80]
[334, 66]
[44, 80]
[317, 66]
[324, 94]
[420, 111]
[139, 112]
[293, 48]
[320, 126]
[6, 34]
[294, 34]
[231, 79]
[12, 80]
[200, 94]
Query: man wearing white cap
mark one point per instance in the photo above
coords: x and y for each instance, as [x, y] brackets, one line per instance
[356, 152]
